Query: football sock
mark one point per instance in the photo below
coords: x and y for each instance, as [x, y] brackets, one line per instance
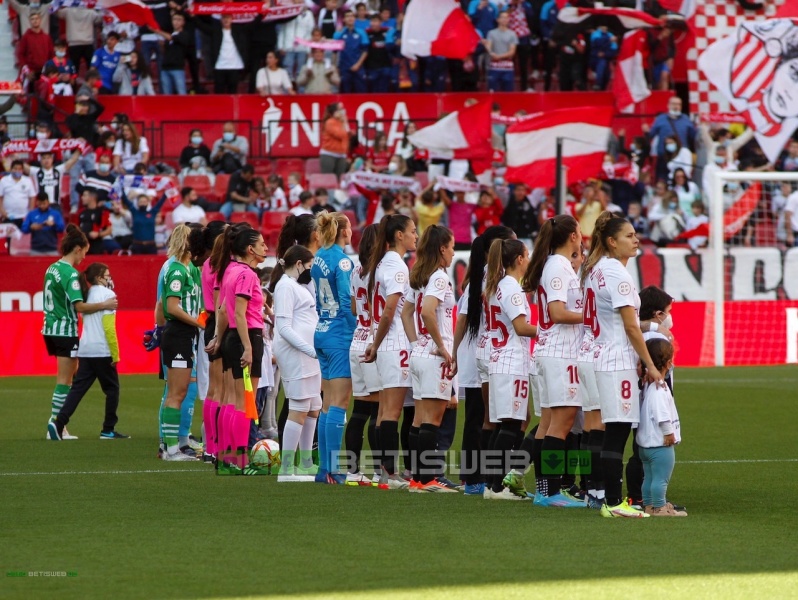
[376, 449]
[170, 426]
[187, 412]
[59, 396]
[354, 434]
[206, 411]
[241, 442]
[291, 434]
[584, 472]
[413, 450]
[389, 439]
[336, 422]
[634, 473]
[281, 419]
[541, 485]
[484, 447]
[615, 436]
[306, 442]
[227, 443]
[427, 460]
[324, 455]
[505, 440]
[571, 445]
[216, 430]
[595, 443]
[553, 457]
[209, 439]
[523, 458]
[408, 414]
[160, 411]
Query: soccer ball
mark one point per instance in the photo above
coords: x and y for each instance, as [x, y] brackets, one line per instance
[265, 454]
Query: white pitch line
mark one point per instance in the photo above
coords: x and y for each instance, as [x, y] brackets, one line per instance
[743, 460]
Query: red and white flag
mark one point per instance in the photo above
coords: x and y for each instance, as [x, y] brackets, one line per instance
[629, 85]
[437, 28]
[614, 18]
[532, 145]
[130, 10]
[686, 8]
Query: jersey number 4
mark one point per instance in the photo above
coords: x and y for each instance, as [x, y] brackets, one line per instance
[589, 316]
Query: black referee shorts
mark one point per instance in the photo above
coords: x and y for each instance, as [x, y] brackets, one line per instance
[232, 349]
[210, 329]
[65, 347]
[177, 345]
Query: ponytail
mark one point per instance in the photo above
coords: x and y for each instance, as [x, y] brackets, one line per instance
[428, 255]
[607, 226]
[330, 225]
[554, 234]
[235, 241]
[295, 231]
[73, 238]
[476, 267]
[89, 276]
[389, 226]
[502, 254]
[368, 240]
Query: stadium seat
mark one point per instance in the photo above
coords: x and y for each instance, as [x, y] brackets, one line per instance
[288, 165]
[263, 166]
[350, 214]
[245, 217]
[312, 166]
[357, 233]
[220, 188]
[200, 183]
[214, 216]
[322, 180]
[273, 221]
[271, 238]
[20, 247]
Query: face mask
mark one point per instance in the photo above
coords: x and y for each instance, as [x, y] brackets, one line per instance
[393, 167]
[674, 113]
[16, 175]
[672, 205]
[60, 53]
[109, 283]
[197, 140]
[41, 135]
[719, 160]
[634, 148]
[103, 168]
[667, 322]
[34, 6]
[671, 147]
[228, 137]
[304, 277]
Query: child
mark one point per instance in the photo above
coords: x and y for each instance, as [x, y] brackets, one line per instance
[274, 185]
[294, 188]
[697, 218]
[305, 206]
[657, 435]
[269, 383]
[636, 218]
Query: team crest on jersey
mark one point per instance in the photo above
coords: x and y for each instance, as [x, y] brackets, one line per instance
[442, 386]
[345, 264]
[624, 288]
[175, 286]
[405, 374]
[517, 299]
[572, 392]
[556, 283]
[400, 277]
[75, 285]
[516, 406]
[494, 356]
[626, 407]
[440, 284]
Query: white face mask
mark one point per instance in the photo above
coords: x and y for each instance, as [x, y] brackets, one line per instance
[670, 147]
[393, 167]
[674, 113]
[41, 135]
[667, 322]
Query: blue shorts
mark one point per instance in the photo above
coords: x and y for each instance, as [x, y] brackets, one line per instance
[659, 69]
[334, 363]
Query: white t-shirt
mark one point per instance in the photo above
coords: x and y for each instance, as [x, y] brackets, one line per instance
[391, 278]
[295, 302]
[187, 214]
[300, 210]
[467, 373]
[358, 290]
[509, 351]
[559, 283]
[790, 207]
[439, 286]
[92, 340]
[125, 150]
[658, 417]
[609, 288]
[16, 195]
[279, 201]
[293, 194]
[229, 59]
[273, 82]
[694, 221]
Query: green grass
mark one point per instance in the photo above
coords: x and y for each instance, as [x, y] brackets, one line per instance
[131, 526]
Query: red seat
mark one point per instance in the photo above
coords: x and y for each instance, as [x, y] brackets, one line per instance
[287, 165]
[220, 189]
[200, 183]
[322, 180]
[357, 233]
[271, 238]
[273, 221]
[312, 166]
[350, 214]
[214, 216]
[245, 217]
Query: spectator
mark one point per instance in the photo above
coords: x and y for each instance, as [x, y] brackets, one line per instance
[501, 44]
[320, 75]
[674, 124]
[483, 15]
[106, 60]
[229, 152]
[654, 195]
[271, 79]
[17, 194]
[638, 221]
[321, 201]
[35, 47]
[572, 63]
[334, 140]
[722, 137]
[91, 83]
[80, 35]
[99, 181]
[677, 157]
[151, 41]
[121, 222]
[328, 19]
[262, 40]
[429, 207]
[666, 220]
[144, 221]
[133, 77]
[45, 94]
[27, 10]
[229, 47]
[48, 178]
[686, 190]
[177, 48]
[261, 197]
[128, 33]
[415, 158]
[294, 188]
[353, 55]
[788, 161]
[131, 149]
[548, 20]
[398, 166]
[603, 49]
[520, 215]
[361, 16]
[663, 50]
[4, 137]
[305, 206]
[196, 149]
[65, 67]
[790, 217]
[43, 223]
[778, 202]
[697, 217]
[188, 211]
[294, 55]
[94, 222]
[198, 166]
[274, 187]
[488, 212]
[239, 198]
[521, 20]
[379, 156]
[378, 56]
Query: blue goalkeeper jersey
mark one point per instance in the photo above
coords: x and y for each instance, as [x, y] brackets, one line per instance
[331, 272]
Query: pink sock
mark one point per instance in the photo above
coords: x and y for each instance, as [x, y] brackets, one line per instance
[209, 418]
[241, 445]
[227, 441]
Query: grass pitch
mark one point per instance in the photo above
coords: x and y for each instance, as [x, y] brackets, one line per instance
[122, 524]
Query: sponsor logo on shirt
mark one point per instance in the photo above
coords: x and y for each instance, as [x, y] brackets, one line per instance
[400, 277]
[556, 283]
[345, 264]
[175, 286]
[624, 288]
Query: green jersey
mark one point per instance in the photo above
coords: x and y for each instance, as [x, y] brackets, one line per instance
[183, 282]
[61, 291]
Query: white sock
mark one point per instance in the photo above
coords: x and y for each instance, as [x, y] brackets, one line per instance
[173, 449]
[306, 441]
[291, 435]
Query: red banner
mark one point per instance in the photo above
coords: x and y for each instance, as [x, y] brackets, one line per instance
[39, 146]
[271, 13]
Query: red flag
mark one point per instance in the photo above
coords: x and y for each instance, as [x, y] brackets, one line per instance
[629, 85]
[737, 215]
[437, 28]
[464, 133]
[532, 145]
[131, 10]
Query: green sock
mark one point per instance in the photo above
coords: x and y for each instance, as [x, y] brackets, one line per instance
[170, 425]
[59, 396]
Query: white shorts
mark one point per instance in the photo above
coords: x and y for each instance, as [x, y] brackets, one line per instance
[305, 405]
[534, 389]
[619, 395]
[301, 389]
[558, 382]
[483, 368]
[365, 378]
[589, 389]
[509, 397]
[393, 367]
[428, 382]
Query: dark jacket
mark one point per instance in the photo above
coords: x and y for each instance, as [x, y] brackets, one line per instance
[241, 35]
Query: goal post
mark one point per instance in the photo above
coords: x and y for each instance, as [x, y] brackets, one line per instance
[720, 247]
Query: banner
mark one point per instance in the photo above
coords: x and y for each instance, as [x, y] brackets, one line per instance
[11, 87]
[160, 184]
[270, 13]
[9, 230]
[331, 45]
[722, 118]
[381, 181]
[457, 185]
[40, 146]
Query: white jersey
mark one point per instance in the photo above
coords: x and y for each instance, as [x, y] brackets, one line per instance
[482, 341]
[509, 351]
[609, 288]
[467, 373]
[358, 289]
[657, 412]
[295, 302]
[559, 283]
[439, 286]
[391, 278]
[93, 342]
[586, 348]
